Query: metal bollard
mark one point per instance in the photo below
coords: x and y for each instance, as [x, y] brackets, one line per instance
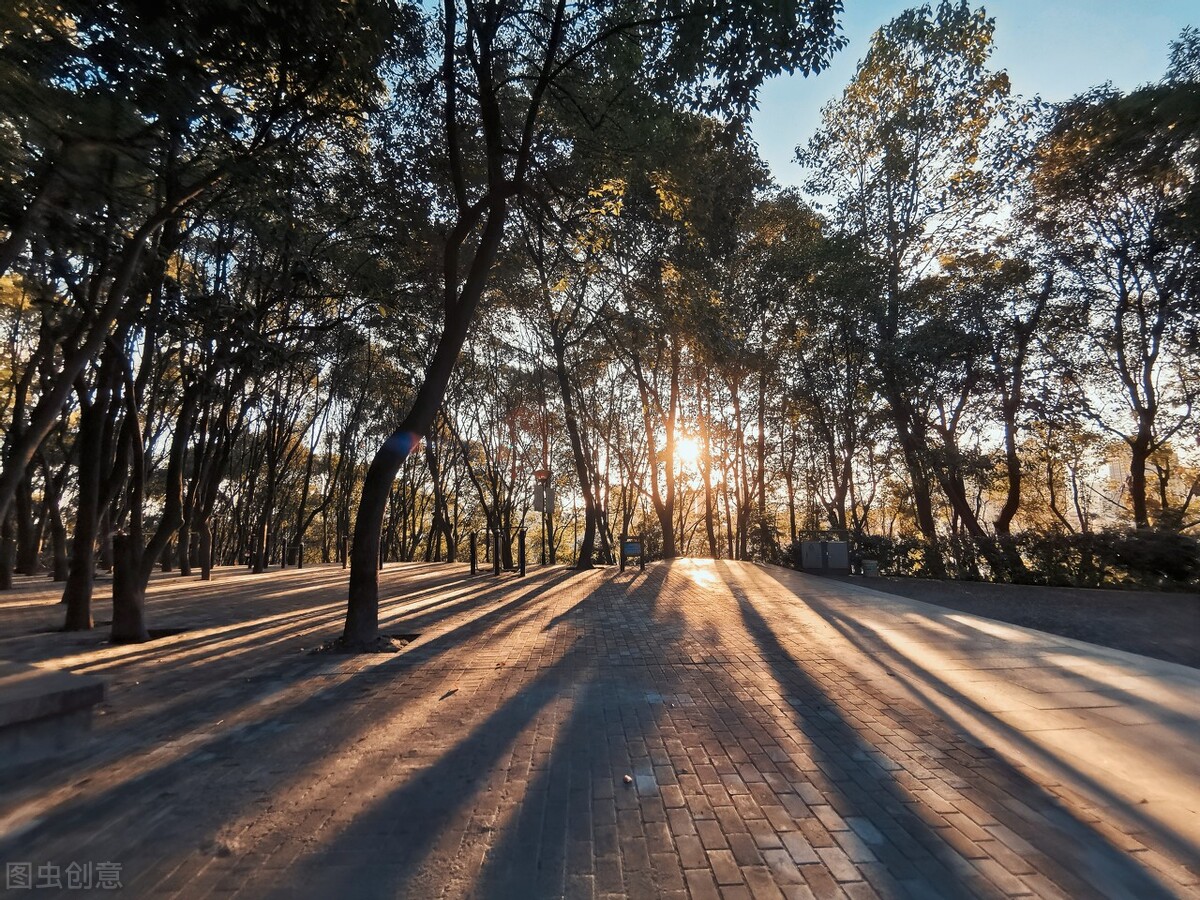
[521, 552]
[474, 551]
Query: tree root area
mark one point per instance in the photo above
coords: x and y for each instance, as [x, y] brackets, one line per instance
[384, 643]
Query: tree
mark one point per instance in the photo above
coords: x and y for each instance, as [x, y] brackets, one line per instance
[1116, 196]
[915, 158]
[828, 367]
[502, 67]
[120, 117]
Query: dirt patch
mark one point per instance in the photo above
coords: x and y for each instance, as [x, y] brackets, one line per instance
[384, 643]
[1162, 625]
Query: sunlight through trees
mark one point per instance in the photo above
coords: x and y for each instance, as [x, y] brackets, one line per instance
[288, 282]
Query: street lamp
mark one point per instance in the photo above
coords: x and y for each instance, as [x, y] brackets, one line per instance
[543, 501]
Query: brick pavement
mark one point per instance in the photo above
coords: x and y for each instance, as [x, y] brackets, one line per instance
[489, 759]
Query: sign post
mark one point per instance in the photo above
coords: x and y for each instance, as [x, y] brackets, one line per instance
[631, 547]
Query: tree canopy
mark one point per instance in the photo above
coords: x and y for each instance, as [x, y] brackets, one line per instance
[284, 281]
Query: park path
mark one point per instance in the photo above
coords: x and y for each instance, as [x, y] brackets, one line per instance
[1121, 728]
[700, 729]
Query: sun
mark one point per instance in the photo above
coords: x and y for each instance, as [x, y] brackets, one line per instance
[687, 451]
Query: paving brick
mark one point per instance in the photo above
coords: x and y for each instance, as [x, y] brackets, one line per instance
[798, 847]
[745, 849]
[762, 883]
[821, 882]
[854, 847]
[830, 819]
[815, 833]
[701, 885]
[497, 745]
[840, 866]
[779, 818]
[765, 837]
[691, 852]
[783, 867]
[995, 873]
[724, 866]
[711, 835]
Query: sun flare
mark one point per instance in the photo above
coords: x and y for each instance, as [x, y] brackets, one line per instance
[687, 451]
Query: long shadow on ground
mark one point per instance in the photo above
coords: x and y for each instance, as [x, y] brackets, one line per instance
[173, 789]
[876, 646]
[1085, 861]
[540, 752]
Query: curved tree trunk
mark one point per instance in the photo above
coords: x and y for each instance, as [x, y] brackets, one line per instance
[362, 611]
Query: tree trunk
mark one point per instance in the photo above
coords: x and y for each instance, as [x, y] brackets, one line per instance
[129, 592]
[710, 529]
[206, 550]
[1139, 455]
[261, 532]
[1012, 470]
[441, 510]
[588, 544]
[8, 552]
[185, 545]
[913, 445]
[362, 611]
[58, 542]
[134, 562]
[92, 452]
[29, 532]
[766, 537]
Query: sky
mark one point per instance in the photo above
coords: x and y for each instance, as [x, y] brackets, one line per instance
[1055, 48]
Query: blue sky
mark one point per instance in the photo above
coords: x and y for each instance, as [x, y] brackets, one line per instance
[1055, 48]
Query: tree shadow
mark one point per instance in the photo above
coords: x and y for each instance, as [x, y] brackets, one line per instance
[529, 799]
[216, 700]
[567, 837]
[508, 809]
[866, 640]
[1084, 859]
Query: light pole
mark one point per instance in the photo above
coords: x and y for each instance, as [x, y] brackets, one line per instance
[541, 503]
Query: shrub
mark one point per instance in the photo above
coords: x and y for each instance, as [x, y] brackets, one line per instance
[896, 556]
[1145, 558]
[1154, 558]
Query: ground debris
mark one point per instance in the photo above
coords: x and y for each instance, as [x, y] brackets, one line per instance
[384, 643]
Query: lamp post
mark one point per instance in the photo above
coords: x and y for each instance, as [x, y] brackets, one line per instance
[541, 503]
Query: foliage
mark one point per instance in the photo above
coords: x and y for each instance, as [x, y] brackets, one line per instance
[247, 251]
[1145, 559]
[1116, 196]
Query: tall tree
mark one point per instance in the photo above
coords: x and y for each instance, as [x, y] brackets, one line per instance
[501, 67]
[119, 117]
[1117, 197]
[916, 156]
